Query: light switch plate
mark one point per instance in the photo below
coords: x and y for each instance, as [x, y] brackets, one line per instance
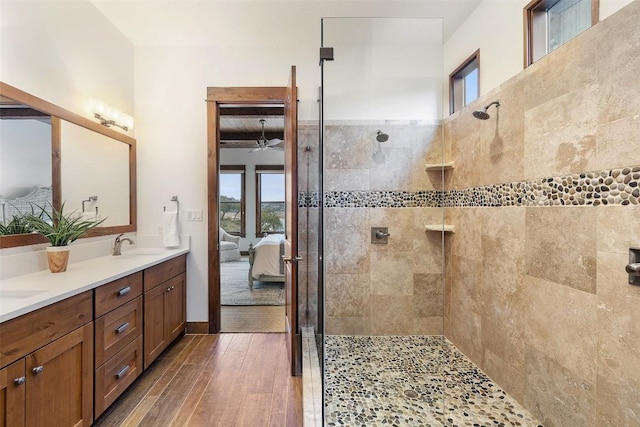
[194, 215]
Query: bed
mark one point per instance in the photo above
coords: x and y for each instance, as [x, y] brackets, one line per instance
[265, 260]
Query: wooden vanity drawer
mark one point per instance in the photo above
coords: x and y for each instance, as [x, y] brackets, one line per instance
[117, 374]
[24, 334]
[118, 292]
[160, 273]
[116, 329]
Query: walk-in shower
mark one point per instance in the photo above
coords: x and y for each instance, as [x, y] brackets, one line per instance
[385, 357]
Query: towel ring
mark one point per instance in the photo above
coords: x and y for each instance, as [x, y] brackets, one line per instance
[173, 199]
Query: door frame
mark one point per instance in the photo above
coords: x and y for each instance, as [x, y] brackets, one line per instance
[217, 96]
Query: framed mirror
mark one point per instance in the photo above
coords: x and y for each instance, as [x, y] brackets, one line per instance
[52, 156]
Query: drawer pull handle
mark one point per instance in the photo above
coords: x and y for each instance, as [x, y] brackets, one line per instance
[122, 372]
[37, 369]
[170, 288]
[20, 380]
[124, 291]
[120, 329]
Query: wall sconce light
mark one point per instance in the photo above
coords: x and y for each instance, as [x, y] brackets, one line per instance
[109, 116]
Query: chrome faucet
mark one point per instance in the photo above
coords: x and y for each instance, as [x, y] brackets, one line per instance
[117, 245]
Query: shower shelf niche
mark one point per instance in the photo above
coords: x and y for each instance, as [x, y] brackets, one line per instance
[438, 166]
[447, 228]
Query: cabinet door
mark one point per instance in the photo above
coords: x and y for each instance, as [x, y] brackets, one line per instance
[175, 307]
[59, 388]
[155, 338]
[12, 395]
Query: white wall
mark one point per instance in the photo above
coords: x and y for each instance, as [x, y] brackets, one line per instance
[65, 52]
[25, 156]
[240, 156]
[496, 28]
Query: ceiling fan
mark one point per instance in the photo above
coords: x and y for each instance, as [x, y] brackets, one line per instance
[264, 144]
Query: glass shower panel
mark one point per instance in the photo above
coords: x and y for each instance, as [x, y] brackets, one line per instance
[381, 113]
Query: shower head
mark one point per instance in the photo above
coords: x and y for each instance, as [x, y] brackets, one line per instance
[381, 136]
[483, 115]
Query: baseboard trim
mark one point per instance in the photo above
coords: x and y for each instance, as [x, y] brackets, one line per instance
[197, 328]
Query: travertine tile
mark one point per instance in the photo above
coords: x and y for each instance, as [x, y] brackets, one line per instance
[428, 295]
[400, 224]
[504, 298]
[617, 143]
[502, 370]
[389, 169]
[348, 295]
[347, 147]
[390, 316]
[557, 396]
[559, 323]
[618, 61]
[428, 326]
[618, 328]
[560, 246]
[346, 240]
[347, 326]
[505, 222]
[560, 134]
[467, 240]
[390, 273]
[562, 71]
[346, 180]
[618, 228]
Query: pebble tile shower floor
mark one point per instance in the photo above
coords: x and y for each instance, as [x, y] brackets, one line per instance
[411, 381]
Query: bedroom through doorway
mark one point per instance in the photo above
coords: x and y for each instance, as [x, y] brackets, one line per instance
[251, 218]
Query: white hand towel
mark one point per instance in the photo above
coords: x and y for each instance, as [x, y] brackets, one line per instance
[170, 230]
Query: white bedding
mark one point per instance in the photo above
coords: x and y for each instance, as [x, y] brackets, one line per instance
[267, 256]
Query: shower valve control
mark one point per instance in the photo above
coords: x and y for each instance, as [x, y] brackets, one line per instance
[633, 268]
[379, 235]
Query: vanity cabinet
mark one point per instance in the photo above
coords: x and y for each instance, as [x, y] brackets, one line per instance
[164, 306]
[64, 364]
[48, 359]
[12, 395]
[118, 338]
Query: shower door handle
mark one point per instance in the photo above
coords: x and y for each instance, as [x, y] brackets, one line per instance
[289, 259]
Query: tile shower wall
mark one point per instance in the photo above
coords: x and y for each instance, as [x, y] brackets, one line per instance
[393, 289]
[536, 293]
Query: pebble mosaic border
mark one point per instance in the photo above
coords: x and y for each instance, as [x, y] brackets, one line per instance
[411, 381]
[617, 187]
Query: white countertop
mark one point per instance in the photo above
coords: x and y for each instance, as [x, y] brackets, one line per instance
[23, 294]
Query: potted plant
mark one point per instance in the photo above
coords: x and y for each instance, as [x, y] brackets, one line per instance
[60, 230]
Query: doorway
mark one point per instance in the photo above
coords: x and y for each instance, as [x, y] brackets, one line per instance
[251, 199]
[226, 97]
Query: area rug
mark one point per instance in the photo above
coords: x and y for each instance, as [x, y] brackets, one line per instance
[234, 287]
[252, 319]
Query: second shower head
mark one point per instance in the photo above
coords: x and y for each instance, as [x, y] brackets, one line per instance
[482, 114]
[381, 136]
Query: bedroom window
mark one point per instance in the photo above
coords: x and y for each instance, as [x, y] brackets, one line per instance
[231, 203]
[269, 199]
[551, 23]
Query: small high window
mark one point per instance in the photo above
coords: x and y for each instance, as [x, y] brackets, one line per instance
[464, 83]
[551, 23]
[269, 200]
[232, 199]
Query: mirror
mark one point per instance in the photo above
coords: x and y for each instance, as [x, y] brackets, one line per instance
[46, 147]
[94, 173]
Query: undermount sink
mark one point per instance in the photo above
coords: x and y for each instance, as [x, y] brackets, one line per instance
[19, 293]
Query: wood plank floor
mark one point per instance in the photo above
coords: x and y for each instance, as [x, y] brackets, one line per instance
[214, 380]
